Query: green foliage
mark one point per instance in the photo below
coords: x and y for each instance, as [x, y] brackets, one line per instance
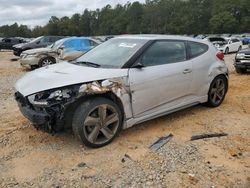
[154, 16]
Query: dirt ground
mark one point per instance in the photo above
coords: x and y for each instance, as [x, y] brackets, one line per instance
[31, 158]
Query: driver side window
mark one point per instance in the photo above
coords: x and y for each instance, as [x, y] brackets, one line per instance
[164, 52]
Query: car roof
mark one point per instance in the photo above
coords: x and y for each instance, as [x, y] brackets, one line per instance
[159, 37]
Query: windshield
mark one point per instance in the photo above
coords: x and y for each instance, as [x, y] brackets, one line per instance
[36, 39]
[114, 53]
[57, 44]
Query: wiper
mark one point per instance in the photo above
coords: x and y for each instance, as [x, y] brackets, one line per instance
[88, 63]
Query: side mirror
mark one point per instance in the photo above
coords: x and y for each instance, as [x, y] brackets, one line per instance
[138, 65]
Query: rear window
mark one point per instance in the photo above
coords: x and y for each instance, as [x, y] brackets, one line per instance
[196, 49]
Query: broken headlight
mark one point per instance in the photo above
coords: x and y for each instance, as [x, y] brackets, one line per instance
[46, 98]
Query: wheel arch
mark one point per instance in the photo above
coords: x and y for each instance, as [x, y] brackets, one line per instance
[225, 75]
[43, 56]
[70, 110]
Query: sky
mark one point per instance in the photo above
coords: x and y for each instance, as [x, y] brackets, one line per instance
[38, 12]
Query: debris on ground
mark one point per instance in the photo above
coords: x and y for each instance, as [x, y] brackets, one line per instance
[210, 135]
[161, 142]
[126, 156]
[82, 164]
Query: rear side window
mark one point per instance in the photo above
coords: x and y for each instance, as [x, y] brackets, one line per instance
[197, 49]
[164, 52]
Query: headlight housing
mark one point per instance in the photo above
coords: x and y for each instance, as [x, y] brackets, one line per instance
[51, 97]
[240, 56]
[30, 55]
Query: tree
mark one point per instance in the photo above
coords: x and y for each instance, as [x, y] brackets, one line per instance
[153, 16]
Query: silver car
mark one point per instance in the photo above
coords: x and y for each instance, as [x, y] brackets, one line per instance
[122, 82]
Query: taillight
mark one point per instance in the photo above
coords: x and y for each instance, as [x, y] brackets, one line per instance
[220, 56]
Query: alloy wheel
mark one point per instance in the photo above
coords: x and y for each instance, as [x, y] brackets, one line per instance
[46, 62]
[218, 91]
[101, 124]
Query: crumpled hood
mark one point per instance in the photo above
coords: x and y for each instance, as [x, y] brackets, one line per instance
[38, 50]
[63, 74]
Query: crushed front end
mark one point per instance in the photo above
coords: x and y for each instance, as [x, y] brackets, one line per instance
[49, 110]
[46, 110]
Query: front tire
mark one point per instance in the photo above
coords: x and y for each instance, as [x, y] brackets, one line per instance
[46, 61]
[97, 121]
[217, 91]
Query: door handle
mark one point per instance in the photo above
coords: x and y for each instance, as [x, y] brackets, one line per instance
[186, 71]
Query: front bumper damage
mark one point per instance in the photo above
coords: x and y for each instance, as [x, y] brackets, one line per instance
[52, 117]
[47, 118]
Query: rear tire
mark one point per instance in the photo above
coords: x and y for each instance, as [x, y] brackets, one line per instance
[97, 121]
[217, 91]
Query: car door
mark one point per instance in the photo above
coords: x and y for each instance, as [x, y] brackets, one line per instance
[236, 43]
[163, 81]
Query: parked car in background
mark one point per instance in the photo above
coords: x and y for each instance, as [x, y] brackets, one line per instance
[122, 82]
[7, 43]
[246, 40]
[64, 49]
[103, 38]
[39, 42]
[242, 61]
[200, 36]
[226, 45]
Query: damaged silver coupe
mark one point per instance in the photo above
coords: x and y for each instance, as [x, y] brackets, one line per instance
[122, 82]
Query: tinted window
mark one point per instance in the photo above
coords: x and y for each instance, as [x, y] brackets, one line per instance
[54, 39]
[164, 52]
[45, 40]
[7, 40]
[197, 49]
[235, 40]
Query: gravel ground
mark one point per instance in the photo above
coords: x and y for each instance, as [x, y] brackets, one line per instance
[31, 158]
